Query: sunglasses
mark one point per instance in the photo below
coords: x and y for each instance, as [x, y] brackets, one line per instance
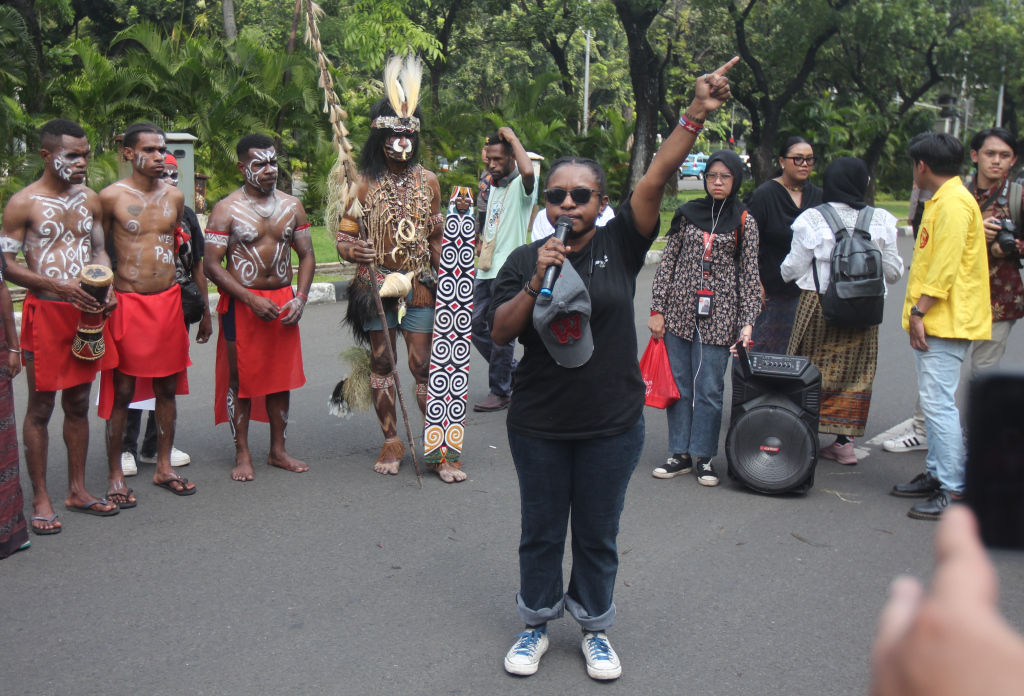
[801, 161]
[580, 196]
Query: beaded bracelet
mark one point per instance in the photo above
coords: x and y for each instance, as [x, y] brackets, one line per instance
[530, 291]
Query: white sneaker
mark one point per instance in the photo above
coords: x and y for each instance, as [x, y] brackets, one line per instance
[178, 458]
[128, 465]
[523, 658]
[602, 662]
[910, 442]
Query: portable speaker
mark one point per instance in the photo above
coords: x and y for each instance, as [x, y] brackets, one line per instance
[772, 443]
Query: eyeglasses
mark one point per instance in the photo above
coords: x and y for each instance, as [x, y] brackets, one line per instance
[718, 177]
[801, 161]
[580, 196]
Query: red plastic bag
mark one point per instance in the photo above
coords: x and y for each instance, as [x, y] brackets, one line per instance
[657, 374]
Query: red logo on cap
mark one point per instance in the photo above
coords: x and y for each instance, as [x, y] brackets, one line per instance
[567, 327]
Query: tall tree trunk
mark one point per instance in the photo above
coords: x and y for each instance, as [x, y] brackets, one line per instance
[872, 157]
[284, 179]
[230, 28]
[644, 74]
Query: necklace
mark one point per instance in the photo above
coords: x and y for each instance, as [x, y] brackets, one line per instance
[257, 210]
[799, 189]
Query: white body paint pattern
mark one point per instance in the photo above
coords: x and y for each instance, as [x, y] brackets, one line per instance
[244, 233]
[61, 165]
[10, 246]
[65, 216]
[157, 198]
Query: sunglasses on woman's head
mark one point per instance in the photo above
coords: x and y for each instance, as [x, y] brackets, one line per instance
[801, 161]
[580, 196]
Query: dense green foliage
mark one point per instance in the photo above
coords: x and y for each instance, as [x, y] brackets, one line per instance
[854, 76]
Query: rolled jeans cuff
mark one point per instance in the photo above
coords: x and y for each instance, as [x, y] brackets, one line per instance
[590, 623]
[538, 617]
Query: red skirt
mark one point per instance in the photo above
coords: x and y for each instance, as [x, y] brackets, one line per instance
[269, 356]
[48, 328]
[152, 341]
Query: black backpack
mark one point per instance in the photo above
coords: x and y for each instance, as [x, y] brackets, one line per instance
[855, 296]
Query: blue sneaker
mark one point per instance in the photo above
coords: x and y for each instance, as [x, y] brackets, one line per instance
[602, 662]
[523, 657]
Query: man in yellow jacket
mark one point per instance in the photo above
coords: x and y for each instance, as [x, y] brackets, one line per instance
[947, 306]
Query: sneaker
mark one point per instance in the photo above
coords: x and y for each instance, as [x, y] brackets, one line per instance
[910, 442]
[602, 662]
[676, 464]
[178, 458]
[128, 465]
[840, 453]
[706, 475]
[523, 658]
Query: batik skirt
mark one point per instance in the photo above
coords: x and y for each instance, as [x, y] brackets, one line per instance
[847, 359]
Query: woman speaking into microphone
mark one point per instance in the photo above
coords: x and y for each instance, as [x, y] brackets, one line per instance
[575, 423]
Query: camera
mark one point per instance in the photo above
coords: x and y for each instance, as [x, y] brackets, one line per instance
[1006, 237]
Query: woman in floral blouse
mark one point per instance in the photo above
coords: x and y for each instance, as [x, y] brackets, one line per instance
[706, 297]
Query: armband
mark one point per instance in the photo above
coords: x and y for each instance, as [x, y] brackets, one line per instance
[347, 238]
[216, 237]
[300, 228]
[690, 126]
[9, 245]
[435, 219]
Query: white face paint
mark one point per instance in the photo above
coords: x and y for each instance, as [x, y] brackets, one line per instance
[398, 150]
[262, 162]
[61, 164]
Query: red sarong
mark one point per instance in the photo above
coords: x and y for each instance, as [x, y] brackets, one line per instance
[48, 328]
[269, 356]
[152, 341]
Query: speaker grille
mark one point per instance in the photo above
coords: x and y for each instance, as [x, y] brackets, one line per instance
[771, 449]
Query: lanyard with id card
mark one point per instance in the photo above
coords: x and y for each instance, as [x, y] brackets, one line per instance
[706, 296]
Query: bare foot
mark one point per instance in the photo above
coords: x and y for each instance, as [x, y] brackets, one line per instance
[81, 499]
[43, 509]
[390, 457]
[287, 462]
[243, 470]
[449, 474]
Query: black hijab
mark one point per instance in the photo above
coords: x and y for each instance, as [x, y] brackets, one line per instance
[846, 181]
[705, 212]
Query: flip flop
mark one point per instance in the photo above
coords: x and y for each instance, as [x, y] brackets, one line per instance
[87, 509]
[167, 484]
[44, 532]
[127, 504]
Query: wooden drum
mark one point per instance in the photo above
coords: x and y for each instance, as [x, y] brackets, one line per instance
[88, 343]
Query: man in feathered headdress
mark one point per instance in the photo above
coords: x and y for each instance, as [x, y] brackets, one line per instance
[402, 221]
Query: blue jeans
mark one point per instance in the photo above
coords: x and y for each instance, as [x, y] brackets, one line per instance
[588, 478]
[500, 359]
[938, 374]
[696, 419]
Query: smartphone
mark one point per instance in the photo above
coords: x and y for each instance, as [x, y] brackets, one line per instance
[995, 458]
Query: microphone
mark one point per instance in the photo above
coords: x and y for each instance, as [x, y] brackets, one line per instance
[562, 228]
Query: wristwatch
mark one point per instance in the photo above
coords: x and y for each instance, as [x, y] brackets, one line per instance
[914, 311]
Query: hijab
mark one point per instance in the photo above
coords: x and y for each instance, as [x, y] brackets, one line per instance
[846, 181]
[706, 212]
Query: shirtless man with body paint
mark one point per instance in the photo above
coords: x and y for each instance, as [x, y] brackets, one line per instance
[56, 222]
[256, 228]
[144, 217]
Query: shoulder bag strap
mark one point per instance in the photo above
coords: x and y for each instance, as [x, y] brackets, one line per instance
[864, 220]
[1016, 191]
[832, 218]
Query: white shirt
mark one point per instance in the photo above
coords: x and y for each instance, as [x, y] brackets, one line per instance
[814, 240]
[543, 229]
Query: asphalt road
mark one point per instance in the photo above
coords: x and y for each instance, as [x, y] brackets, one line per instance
[341, 581]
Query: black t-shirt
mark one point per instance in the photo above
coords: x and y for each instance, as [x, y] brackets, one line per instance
[774, 209]
[605, 396]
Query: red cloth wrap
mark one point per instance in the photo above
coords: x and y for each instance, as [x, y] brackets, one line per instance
[152, 341]
[269, 356]
[48, 328]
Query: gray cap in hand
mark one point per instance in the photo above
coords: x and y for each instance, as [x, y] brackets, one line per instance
[563, 319]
